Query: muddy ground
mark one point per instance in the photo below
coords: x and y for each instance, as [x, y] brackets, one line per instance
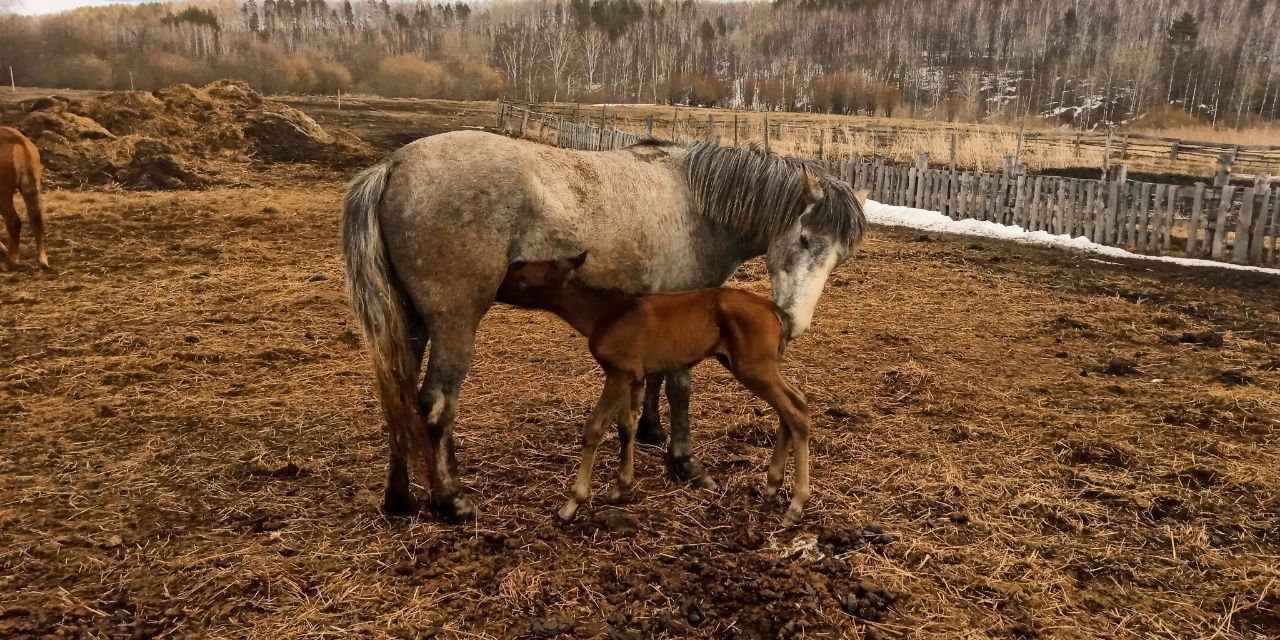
[1008, 442]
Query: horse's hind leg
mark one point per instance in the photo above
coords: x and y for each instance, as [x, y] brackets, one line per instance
[680, 461]
[650, 427]
[13, 225]
[452, 344]
[397, 499]
[31, 196]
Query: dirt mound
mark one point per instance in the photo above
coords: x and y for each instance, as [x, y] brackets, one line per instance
[180, 137]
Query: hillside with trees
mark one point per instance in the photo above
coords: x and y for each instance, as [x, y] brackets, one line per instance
[1083, 63]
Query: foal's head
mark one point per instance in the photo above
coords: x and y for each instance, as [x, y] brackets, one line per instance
[538, 284]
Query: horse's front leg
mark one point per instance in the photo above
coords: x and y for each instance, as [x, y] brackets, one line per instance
[649, 431]
[680, 461]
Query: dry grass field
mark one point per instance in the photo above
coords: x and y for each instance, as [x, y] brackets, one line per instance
[1009, 442]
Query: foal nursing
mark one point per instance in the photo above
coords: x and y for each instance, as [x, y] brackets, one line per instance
[636, 336]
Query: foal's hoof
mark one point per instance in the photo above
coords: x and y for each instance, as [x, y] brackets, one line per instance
[691, 471]
[399, 504]
[453, 509]
[567, 512]
[770, 494]
[792, 518]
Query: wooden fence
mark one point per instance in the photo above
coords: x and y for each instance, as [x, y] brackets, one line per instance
[980, 146]
[1239, 224]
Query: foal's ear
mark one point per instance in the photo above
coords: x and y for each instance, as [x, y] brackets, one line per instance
[813, 193]
[569, 265]
[861, 196]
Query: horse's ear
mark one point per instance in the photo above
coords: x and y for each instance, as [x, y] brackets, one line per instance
[813, 193]
[861, 196]
[578, 260]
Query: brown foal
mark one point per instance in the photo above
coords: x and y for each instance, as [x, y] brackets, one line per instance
[20, 173]
[635, 336]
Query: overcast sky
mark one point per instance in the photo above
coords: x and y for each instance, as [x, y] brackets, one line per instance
[54, 6]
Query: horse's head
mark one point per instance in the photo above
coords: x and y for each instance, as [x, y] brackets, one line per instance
[538, 284]
[802, 257]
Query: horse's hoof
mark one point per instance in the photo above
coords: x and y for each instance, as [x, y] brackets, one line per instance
[792, 518]
[770, 494]
[44, 266]
[399, 504]
[567, 512]
[453, 509]
[691, 471]
[650, 432]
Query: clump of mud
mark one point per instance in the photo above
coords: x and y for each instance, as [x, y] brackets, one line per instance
[181, 137]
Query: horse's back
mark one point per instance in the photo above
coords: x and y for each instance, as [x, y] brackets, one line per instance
[19, 161]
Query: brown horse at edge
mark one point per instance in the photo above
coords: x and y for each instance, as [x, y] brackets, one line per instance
[20, 172]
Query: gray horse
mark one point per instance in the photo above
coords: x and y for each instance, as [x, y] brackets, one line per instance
[428, 236]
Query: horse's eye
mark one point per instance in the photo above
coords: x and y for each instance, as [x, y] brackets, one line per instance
[804, 242]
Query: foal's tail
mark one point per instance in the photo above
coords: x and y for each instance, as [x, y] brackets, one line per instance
[379, 307]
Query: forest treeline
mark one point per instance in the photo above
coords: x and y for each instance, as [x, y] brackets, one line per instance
[1084, 62]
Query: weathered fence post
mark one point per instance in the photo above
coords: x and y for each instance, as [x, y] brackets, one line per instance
[711, 128]
[766, 132]
[1017, 153]
[1220, 224]
[735, 129]
[1106, 158]
[822, 138]
[1240, 248]
[1173, 150]
[648, 126]
[1166, 225]
[952, 165]
[1193, 224]
[603, 115]
[918, 180]
[1258, 230]
[1225, 162]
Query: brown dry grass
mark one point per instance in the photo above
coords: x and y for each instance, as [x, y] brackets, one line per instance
[192, 448]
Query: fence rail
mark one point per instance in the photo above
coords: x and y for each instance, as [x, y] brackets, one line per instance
[1226, 223]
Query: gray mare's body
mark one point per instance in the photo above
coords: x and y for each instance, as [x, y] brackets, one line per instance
[429, 236]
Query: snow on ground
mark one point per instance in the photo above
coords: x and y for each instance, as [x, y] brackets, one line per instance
[890, 215]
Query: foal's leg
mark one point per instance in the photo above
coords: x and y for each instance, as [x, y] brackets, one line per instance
[680, 461]
[627, 420]
[788, 402]
[616, 395]
[650, 430]
[777, 462]
[13, 225]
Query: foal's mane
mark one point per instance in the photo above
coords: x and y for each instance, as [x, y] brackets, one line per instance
[762, 193]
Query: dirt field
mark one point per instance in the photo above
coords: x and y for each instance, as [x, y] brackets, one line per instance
[1009, 442]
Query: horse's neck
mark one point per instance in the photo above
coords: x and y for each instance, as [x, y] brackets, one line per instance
[584, 308]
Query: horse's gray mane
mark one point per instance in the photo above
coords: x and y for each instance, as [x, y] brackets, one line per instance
[762, 193]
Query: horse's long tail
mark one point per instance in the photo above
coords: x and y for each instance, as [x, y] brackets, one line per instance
[379, 307]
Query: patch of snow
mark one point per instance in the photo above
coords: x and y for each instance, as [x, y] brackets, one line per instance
[890, 215]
